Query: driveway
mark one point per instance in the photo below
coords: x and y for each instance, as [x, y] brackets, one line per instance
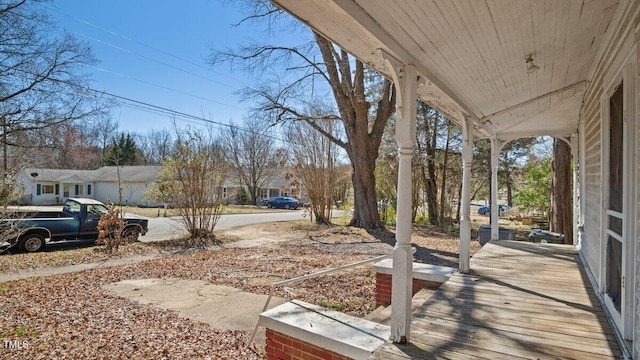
[170, 228]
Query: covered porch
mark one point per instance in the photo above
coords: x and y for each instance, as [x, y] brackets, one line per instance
[505, 70]
[520, 300]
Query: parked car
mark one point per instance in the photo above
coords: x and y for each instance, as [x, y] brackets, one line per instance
[284, 203]
[486, 210]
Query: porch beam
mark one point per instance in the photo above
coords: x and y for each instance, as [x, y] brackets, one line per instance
[405, 79]
[579, 85]
[465, 216]
[496, 145]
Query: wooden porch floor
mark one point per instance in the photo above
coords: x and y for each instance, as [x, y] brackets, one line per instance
[522, 300]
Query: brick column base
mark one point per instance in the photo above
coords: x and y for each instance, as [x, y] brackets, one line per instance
[383, 288]
[283, 347]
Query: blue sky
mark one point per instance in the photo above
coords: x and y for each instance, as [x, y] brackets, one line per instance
[154, 51]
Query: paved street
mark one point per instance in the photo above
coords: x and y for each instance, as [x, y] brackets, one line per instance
[169, 228]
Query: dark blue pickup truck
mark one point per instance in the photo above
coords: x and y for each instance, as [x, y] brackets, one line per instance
[78, 220]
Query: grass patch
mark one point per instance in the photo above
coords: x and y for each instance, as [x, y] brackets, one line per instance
[22, 331]
[161, 212]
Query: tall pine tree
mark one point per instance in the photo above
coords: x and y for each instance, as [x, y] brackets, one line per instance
[122, 151]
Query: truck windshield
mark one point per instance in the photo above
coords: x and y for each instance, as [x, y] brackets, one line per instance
[96, 211]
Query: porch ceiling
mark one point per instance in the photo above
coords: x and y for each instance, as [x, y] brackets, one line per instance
[472, 53]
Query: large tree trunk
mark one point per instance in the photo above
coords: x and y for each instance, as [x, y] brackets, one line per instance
[363, 131]
[509, 184]
[365, 214]
[561, 219]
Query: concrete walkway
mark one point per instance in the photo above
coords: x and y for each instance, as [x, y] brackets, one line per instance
[220, 306]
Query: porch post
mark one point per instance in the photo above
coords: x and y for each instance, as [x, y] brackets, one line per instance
[495, 158]
[402, 278]
[465, 216]
[576, 187]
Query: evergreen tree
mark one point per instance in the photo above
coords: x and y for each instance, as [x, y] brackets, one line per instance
[123, 151]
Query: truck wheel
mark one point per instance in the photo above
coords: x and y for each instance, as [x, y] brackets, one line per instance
[32, 243]
[131, 234]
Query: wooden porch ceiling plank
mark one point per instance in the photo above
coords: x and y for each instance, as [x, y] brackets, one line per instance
[461, 51]
[451, 104]
[511, 71]
[482, 26]
[572, 49]
[430, 53]
[464, 76]
[520, 341]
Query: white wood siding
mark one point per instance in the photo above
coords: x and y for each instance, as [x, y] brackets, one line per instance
[619, 52]
[592, 193]
[132, 192]
[636, 350]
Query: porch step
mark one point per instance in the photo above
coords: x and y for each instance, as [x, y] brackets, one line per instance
[382, 315]
[311, 331]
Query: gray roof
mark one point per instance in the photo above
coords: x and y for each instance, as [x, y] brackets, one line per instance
[57, 175]
[104, 174]
[128, 173]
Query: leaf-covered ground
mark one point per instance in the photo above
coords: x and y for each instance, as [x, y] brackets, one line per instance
[70, 316]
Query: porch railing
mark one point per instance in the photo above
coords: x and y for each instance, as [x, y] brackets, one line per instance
[310, 276]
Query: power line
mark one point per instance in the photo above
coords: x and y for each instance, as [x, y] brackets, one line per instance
[164, 87]
[167, 111]
[127, 38]
[159, 62]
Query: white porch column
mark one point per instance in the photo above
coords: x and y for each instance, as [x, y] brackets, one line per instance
[465, 215]
[402, 279]
[495, 158]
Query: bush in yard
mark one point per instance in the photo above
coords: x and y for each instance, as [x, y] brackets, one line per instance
[110, 228]
[192, 180]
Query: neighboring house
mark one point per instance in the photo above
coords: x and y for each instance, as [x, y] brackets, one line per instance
[504, 70]
[54, 186]
[275, 187]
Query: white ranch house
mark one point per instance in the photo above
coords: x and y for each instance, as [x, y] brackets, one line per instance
[508, 69]
[53, 186]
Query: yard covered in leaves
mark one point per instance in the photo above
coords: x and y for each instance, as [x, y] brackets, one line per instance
[70, 316]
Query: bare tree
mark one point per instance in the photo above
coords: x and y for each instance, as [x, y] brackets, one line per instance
[313, 159]
[294, 97]
[192, 179]
[155, 146]
[41, 86]
[253, 154]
